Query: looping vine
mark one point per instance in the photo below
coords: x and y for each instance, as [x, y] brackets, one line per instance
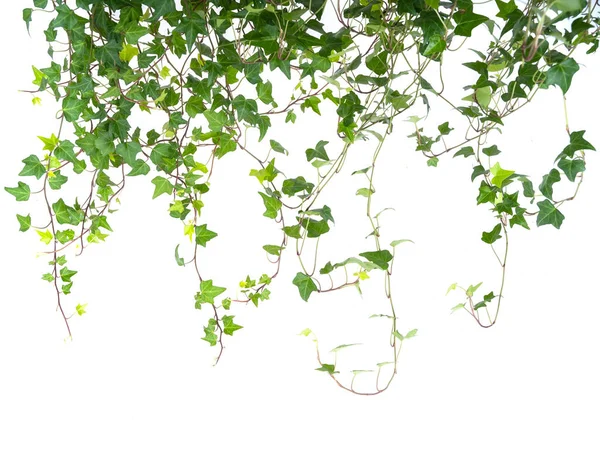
[203, 71]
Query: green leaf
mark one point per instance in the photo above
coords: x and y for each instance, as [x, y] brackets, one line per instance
[483, 96]
[500, 175]
[547, 185]
[229, 327]
[180, 261]
[330, 368]
[66, 215]
[128, 52]
[65, 236]
[273, 249]
[487, 193]
[465, 151]
[549, 215]
[81, 308]
[380, 257]
[344, 346]
[209, 332]
[318, 152]
[194, 106]
[577, 143]
[139, 167]
[24, 222]
[571, 167]
[491, 151]
[272, 204]
[493, 235]
[561, 74]
[33, 167]
[471, 289]
[377, 62]
[293, 186]
[40, 3]
[466, 21]
[21, 192]
[400, 241]
[277, 147]
[56, 180]
[305, 284]
[45, 236]
[66, 274]
[264, 92]
[432, 162]
[27, 17]
[48, 277]
[203, 235]
[208, 292]
[162, 186]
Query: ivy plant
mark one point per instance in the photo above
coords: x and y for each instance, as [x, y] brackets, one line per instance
[200, 75]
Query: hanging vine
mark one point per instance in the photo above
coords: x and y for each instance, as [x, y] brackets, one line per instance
[204, 71]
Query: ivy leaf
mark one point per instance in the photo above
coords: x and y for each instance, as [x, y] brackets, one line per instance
[487, 193]
[561, 74]
[571, 167]
[209, 332]
[272, 204]
[139, 167]
[318, 152]
[377, 62]
[208, 291]
[180, 261]
[500, 175]
[380, 257]
[465, 151]
[81, 309]
[329, 368]
[45, 236]
[229, 327]
[128, 53]
[305, 284]
[491, 151]
[493, 235]
[21, 191]
[577, 143]
[466, 22]
[33, 167]
[56, 180]
[66, 274]
[549, 215]
[161, 8]
[24, 222]
[162, 186]
[546, 187]
[203, 235]
[273, 249]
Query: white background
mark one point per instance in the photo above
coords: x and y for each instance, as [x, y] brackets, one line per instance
[137, 383]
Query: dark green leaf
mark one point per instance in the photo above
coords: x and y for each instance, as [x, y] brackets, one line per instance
[380, 257]
[493, 235]
[305, 284]
[549, 215]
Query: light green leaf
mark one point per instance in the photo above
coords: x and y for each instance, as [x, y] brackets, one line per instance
[162, 186]
[229, 327]
[500, 175]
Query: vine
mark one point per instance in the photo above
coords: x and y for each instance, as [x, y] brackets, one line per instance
[202, 70]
